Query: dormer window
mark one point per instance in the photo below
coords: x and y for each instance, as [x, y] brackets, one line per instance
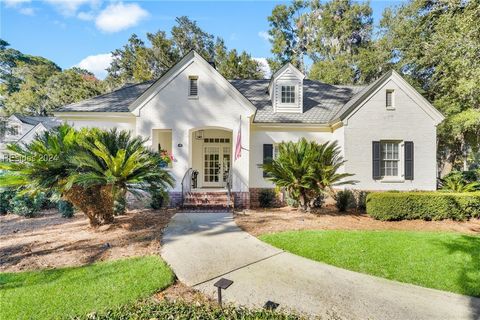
[389, 99]
[286, 90]
[193, 86]
[288, 94]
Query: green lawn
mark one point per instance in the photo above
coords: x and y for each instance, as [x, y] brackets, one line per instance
[74, 291]
[445, 261]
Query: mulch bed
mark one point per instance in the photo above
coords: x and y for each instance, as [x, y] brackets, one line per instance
[262, 221]
[50, 241]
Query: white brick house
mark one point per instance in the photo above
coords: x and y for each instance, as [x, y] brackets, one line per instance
[22, 129]
[386, 130]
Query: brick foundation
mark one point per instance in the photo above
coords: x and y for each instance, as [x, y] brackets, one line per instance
[175, 199]
[255, 194]
[241, 200]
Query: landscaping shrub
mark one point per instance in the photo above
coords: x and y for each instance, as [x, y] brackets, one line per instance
[423, 205]
[27, 205]
[361, 199]
[461, 181]
[65, 208]
[266, 198]
[158, 199]
[306, 169]
[318, 201]
[6, 195]
[345, 199]
[184, 310]
[292, 202]
[119, 206]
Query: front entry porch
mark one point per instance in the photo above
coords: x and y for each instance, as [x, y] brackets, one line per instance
[211, 159]
[207, 182]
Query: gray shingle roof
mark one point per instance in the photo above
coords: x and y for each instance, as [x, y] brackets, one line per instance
[48, 122]
[115, 101]
[321, 102]
[358, 97]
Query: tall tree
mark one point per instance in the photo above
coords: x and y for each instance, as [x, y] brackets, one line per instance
[289, 34]
[334, 35]
[35, 85]
[436, 43]
[69, 86]
[136, 62]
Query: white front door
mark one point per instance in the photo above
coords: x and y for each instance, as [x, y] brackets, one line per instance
[216, 164]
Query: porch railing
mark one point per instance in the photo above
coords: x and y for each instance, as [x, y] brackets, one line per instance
[229, 187]
[186, 183]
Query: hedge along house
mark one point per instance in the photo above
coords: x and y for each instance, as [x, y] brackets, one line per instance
[386, 130]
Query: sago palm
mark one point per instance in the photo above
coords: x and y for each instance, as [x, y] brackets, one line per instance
[90, 169]
[306, 169]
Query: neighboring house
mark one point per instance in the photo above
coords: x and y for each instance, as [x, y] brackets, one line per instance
[22, 129]
[386, 130]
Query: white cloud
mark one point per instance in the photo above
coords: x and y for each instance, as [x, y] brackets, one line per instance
[86, 16]
[27, 11]
[15, 3]
[264, 35]
[97, 64]
[69, 8]
[264, 66]
[119, 16]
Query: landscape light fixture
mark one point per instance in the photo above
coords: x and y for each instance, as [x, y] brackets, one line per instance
[222, 284]
[270, 305]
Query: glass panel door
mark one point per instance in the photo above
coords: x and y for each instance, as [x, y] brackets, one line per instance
[226, 157]
[211, 165]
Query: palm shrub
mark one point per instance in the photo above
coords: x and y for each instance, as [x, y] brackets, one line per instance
[306, 169]
[91, 168]
[457, 181]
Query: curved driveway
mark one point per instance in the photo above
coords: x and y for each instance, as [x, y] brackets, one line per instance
[203, 247]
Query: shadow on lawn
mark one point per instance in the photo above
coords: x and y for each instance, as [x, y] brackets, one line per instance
[469, 278]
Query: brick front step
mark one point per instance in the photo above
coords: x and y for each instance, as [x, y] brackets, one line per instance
[205, 200]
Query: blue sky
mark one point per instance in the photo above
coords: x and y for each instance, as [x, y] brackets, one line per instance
[83, 32]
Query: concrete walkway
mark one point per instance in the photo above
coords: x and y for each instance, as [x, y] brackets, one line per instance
[203, 247]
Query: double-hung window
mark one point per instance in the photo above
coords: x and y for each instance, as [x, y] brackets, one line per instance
[288, 94]
[390, 158]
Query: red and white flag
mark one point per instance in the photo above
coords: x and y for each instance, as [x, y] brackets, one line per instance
[238, 146]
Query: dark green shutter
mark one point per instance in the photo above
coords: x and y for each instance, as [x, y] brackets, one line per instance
[376, 159]
[267, 155]
[408, 160]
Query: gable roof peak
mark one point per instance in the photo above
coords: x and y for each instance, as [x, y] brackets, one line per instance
[289, 66]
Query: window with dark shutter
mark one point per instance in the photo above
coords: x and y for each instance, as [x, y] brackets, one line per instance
[376, 160]
[267, 155]
[409, 160]
[193, 89]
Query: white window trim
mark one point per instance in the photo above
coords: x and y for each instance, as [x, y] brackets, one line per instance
[400, 178]
[192, 97]
[295, 94]
[392, 107]
[275, 150]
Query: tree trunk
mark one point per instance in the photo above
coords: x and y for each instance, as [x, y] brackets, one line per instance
[96, 202]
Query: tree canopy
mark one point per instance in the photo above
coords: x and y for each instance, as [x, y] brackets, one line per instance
[434, 44]
[137, 62]
[36, 86]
